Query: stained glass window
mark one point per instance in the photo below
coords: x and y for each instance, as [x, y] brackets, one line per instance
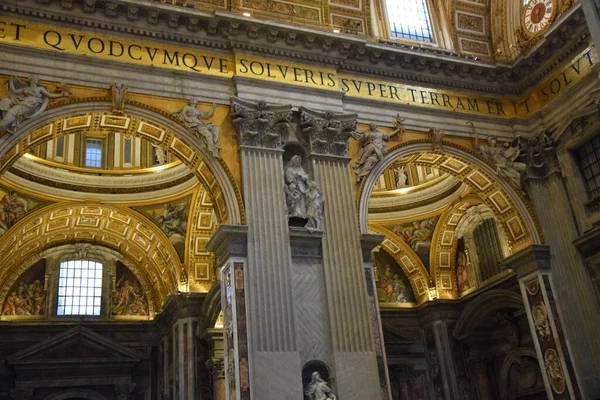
[79, 288]
[409, 19]
[93, 153]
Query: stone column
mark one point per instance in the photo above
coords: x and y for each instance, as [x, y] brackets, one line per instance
[273, 356]
[591, 10]
[569, 281]
[444, 361]
[553, 353]
[355, 359]
[217, 362]
[369, 242]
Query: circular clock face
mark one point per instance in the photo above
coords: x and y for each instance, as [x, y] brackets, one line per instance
[537, 15]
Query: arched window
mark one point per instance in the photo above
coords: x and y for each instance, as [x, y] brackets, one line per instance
[409, 19]
[79, 288]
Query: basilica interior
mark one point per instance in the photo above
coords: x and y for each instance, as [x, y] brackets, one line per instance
[299, 199]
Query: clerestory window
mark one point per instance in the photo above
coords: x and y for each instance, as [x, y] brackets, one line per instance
[409, 19]
[79, 288]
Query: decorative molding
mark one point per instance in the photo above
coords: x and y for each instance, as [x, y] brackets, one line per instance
[229, 241]
[226, 31]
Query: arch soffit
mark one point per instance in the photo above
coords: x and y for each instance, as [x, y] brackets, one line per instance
[210, 310]
[132, 235]
[484, 304]
[444, 245]
[407, 259]
[158, 127]
[514, 211]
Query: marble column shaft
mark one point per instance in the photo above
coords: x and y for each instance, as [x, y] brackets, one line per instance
[570, 281]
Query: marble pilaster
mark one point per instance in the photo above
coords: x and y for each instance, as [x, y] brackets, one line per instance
[369, 242]
[230, 246]
[355, 359]
[591, 10]
[567, 277]
[533, 267]
[273, 356]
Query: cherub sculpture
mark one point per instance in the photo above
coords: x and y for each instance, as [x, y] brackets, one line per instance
[25, 100]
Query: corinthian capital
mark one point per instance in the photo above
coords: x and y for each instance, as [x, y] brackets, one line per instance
[261, 124]
[328, 132]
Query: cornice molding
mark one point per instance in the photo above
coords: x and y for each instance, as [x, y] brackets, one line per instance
[231, 32]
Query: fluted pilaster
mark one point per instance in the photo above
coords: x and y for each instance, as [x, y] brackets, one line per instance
[347, 301]
[273, 355]
[570, 281]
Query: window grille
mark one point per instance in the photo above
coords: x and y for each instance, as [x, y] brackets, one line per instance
[409, 19]
[79, 288]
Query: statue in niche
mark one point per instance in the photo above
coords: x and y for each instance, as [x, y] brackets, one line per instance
[400, 177]
[192, 119]
[318, 389]
[373, 147]
[303, 198]
[25, 100]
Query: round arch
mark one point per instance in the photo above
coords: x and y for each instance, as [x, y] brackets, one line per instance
[485, 303]
[144, 247]
[160, 128]
[515, 213]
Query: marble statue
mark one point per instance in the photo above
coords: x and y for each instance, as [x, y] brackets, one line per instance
[304, 200]
[436, 135]
[118, 91]
[503, 157]
[318, 389]
[161, 155]
[400, 176]
[192, 119]
[25, 100]
[373, 147]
